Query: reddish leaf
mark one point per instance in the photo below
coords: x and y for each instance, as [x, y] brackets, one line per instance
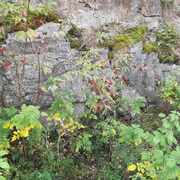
[99, 107]
[125, 79]
[7, 65]
[24, 60]
[24, 13]
[2, 49]
[94, 86]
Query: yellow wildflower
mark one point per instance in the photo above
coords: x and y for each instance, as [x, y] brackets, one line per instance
[22, 133]
[56, 117]
[131, 167]
[140, 174]
[7, 125]
[14, 138]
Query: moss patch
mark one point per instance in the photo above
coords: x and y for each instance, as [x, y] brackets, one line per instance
[167, 3]
[150, 47]
[165, 45]
[126, 39]
[75, 37]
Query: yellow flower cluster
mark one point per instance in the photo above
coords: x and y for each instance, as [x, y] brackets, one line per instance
[56, 117]
[67, 125]
[143, 166]
[70, 126]
[132, 167]
[143, 169]
[22, 133]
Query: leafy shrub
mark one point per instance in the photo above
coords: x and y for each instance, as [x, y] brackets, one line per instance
[166, 42]
[150, 47]
[72, 148]
[171, 92]
[4, 166]
[21, 17]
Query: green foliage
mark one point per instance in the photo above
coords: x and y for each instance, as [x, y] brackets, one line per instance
[4, 166]
[75, 37]
[150, 47]
[15, 126]
[107, 130]
[20, 17]
[167, 2]
[134, 106]
[101, 145]
[28, 116]
[26, 35]
[171, 92]
[161, 157]
[64, 105]
[165, 45]
[7, 113]
[37, 175]
[84, 143]
[128, 38]
[22, 123]
[166, 42]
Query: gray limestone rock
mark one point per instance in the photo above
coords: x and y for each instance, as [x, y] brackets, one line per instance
[28, 64]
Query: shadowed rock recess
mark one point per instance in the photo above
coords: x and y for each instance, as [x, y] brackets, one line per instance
[56, 47]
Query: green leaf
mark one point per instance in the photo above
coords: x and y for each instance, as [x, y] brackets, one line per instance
[4, 165]
[170, 162]
[162, 115]
[2, 178]
[2, 153]
[23, 36]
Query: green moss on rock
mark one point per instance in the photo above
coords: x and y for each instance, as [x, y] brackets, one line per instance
[165, 45]
[75, 43]
[167, 2]
[138, 33]
[126, 39]
[74, 35]
[169, 58]
[167, 42]
[150, 47]
[121, 41]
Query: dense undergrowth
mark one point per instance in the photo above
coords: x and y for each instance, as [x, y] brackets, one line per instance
[110, 140]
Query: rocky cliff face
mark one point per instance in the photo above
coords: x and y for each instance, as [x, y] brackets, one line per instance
[28, 65]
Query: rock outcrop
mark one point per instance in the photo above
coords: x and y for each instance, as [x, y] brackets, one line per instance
[27, 65]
